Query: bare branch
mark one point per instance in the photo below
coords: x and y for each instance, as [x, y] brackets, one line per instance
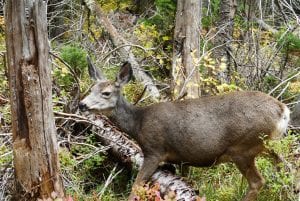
[283, 82]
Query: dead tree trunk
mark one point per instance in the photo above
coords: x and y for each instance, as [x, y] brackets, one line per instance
[295, 117]
[34, 135]
[224, 37]
[186, 49]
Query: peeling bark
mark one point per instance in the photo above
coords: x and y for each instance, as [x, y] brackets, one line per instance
[34, 134]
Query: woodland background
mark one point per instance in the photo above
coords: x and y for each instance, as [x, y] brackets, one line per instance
[242, 44]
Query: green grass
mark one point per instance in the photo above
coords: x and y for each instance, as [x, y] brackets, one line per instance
[222, 182]
[225, 183]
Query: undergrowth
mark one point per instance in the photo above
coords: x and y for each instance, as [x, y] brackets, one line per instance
[222, 182]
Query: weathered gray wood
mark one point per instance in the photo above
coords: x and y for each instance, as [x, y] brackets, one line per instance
[224, 37]
[295, 117]
[186, 49]
[34, 134]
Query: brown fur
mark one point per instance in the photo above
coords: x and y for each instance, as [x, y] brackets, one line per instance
[199, 132]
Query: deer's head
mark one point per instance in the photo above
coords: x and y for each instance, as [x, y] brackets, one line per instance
[105, 94]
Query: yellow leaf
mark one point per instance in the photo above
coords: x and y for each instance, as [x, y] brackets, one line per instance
[64, 70]
[222, 67]
[166, 38]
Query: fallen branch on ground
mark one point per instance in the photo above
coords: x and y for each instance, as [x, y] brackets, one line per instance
[128, 151]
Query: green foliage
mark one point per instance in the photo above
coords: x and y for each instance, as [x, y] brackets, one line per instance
[269, 81]
[66, 160]
[5, 154]
[75, 56]
[209, 77]
[211, 16]
[159, 47]
[133, 91]
[3, 78]
[91, 163]
[81, 165]
[5, 114]
[148, 35]
[159, 28]
[164, 16]
[289, 42]
[109, 5]
[224, 182]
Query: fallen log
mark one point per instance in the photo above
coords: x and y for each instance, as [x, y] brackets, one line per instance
[127, 150]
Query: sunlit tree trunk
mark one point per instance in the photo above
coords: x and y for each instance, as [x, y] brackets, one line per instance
[186, 49]
[34, 134]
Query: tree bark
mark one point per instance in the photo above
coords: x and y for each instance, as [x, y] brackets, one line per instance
[118, 40]
[295, 116]
[35, 153]
[186, 49]
[224, 36]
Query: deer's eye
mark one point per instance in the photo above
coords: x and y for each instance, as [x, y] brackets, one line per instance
[106, 94]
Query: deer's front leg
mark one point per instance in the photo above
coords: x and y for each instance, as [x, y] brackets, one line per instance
[148, 168]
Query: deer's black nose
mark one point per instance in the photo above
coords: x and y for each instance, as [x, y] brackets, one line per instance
[82, 107]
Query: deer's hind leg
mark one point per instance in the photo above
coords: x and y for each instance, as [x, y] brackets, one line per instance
[248, 169]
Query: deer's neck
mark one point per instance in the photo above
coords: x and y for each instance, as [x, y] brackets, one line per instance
[126, 116]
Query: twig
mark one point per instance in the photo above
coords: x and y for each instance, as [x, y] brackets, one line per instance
[8, 153]
[78, 143]
[293, 103]
[5, 134]
[72, 115]
[283, 82]
[265, 26]
[68, 66]
[3, 100]
[98, 150]
[283, 90]
[140, 96]
[125, 45]
[109, 180]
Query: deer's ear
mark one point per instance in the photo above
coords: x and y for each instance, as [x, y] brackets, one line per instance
[94, 72]
[125, 74]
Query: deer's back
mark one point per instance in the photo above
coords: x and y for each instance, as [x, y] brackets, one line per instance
[199, 130]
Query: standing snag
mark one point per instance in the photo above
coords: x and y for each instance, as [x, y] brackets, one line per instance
[35, 148]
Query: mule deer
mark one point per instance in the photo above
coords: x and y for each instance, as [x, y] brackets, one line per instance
[199, 132]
